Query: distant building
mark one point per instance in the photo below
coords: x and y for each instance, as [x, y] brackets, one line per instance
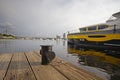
[64, 36]
[57, 37]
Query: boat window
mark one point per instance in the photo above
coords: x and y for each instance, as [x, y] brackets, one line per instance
[91, 28]
[82, 29]
[102, 26]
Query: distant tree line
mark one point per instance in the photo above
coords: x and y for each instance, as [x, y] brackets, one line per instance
[7, 35]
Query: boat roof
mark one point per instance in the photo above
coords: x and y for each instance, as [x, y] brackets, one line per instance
[116, 14]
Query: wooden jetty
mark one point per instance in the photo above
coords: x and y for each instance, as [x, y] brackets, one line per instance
[27, 66]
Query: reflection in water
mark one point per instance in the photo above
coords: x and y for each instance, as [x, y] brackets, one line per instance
[64, 42]
[12, 46]
[104, 60]
[4, 45]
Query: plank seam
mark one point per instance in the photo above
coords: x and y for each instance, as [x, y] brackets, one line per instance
[8, 67]
[30, 65]
[37, 54]
[91, 75]
[61, 72]
[56, 69]
[92, 78]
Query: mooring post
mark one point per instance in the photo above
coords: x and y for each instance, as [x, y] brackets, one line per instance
[47, 54]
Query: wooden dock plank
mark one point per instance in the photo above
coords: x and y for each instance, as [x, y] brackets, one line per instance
[4, 62]
[85, 73]
[19, 69]
[72, 72]
[43, 72]
[27, 66]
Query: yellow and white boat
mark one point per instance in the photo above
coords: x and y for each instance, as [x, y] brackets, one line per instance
[106, 34]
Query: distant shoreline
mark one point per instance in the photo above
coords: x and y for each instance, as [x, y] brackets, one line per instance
[7, 36]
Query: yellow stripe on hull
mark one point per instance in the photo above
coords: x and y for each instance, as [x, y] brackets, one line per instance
[97, 39]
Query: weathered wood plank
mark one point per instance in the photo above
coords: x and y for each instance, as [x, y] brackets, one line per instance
[72, 72]
[4, 62]
[19, 69]
[85, 73]
[43, 72]
[27, 66]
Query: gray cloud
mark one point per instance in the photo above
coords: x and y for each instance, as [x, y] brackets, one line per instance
[7, 25]
[54, 17]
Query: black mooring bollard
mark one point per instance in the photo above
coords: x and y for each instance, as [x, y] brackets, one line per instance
[47, 54]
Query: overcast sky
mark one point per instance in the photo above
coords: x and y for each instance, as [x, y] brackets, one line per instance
[49, 18]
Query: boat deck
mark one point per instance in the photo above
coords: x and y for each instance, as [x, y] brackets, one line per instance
[27, 66]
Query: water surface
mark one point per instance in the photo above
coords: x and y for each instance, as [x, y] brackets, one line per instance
[103, 63]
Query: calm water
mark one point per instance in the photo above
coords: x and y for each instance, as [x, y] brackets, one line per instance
[102, 63]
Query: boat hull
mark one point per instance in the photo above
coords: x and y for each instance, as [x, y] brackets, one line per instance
[104, 39]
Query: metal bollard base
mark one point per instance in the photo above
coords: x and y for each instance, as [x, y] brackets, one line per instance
[47, 54]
